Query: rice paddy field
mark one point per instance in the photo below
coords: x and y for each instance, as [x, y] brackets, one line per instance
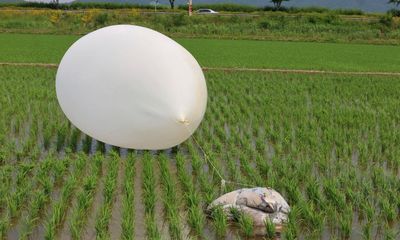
[228, 53]
[328, 143]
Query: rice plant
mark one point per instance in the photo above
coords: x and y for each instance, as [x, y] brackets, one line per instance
[270, 229]
[149, 197]
[170, 199]
[246, 225]
[128, 199]
[110, 184]
[220, 221]
[39, 199]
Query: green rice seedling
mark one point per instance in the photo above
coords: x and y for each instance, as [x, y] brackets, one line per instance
[367, 231]
[36, 206]
[207, 189]
[270, 229]
[87, 143]
[127, 220]
[128, 199]
[84, 197]
[3, 156]
[312, 218]
[73, 142]
[196, 163]
[220, 221]
[47, 136]
[334, 195]
[196, 219]
[390, 233]
[102, 220]
[249, 171]
[101, 147]
[292, 191]
[84, 200]
[290, 232]
[18, 197]
[170, 200]
[246, 225]
[110, 183]
[149, 196]
[388, 211]
[313, 192]
[192, 198]
[4, 225]
[59, 209]
[345, 223]
[43, 184]
[6, 180]
[61, 136]
[151, 228]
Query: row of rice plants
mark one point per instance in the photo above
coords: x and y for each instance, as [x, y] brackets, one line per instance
[60, 206]
[28, 178]
[192, 196]
[110, 184]
[128, 213]
[170, 199]
[149, 196]
[16, 196]
[42, 194]
[85, 196]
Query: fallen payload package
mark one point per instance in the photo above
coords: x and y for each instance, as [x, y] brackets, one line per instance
[261, 204]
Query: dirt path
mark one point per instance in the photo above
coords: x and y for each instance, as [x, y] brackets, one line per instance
[234, 69]
[49, 65]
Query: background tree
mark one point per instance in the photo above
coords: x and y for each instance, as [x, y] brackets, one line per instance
[172, 3]
[278, 3]
[395, 2]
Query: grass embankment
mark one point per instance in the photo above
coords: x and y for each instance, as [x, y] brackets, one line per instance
[228, 53]
[292, 26]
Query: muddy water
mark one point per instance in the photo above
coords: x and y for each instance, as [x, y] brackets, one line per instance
[93, 146]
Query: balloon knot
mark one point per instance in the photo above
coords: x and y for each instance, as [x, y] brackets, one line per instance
[184, 121]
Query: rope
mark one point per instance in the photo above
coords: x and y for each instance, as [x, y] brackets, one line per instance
[223, 180]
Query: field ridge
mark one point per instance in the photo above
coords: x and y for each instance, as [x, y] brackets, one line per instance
[236, 69]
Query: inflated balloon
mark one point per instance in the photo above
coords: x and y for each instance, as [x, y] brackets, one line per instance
[132, 87]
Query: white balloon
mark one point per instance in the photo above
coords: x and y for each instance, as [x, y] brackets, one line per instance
[132, 87]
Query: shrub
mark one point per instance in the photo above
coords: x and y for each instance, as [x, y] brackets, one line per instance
[386, 20]
[265, 24]
[179, 20]
[101, 19]
[331, 19]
